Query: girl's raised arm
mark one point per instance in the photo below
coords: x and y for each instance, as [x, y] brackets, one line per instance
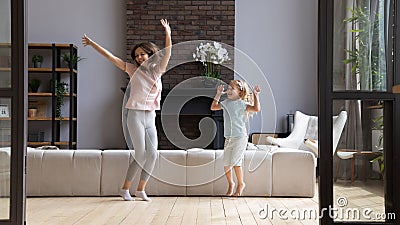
[168, 44]
[215, 105]
[256, 107]
[104, 52]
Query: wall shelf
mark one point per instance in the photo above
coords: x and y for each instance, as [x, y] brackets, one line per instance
[47, 127]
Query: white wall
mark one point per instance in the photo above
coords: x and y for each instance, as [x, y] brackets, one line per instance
[99, 82]
[5, 21]
[281, 36]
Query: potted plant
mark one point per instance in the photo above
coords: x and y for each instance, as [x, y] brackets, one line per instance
[67, 58]
[32, 111]
[212, 56]
[37, 60]
[380, 159]
[61, 91]
[34, 84]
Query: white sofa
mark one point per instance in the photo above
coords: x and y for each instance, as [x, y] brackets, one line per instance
[268, 172]
[4, 171]
[271, 172]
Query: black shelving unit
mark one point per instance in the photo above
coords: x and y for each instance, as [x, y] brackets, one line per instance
[54, 72]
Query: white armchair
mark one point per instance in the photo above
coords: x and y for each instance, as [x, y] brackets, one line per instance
[306, 127]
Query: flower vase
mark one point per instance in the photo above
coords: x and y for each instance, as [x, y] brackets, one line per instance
[209, 82]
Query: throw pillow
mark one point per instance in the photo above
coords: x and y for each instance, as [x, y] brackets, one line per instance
[313, 145]
[251, 146]
[312, 128]
[48, 147]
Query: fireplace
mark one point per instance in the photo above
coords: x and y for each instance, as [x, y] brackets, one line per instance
[186, 117]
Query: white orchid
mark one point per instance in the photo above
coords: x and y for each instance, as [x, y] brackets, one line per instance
[213, 53]
[212, 56]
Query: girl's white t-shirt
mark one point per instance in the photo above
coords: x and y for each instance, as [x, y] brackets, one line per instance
[145, 89]
[234, 118]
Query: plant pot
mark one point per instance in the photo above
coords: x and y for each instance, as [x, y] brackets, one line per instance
[209, 82]
[68, 64]
[37, 64]
[34, 88]
[32, 112]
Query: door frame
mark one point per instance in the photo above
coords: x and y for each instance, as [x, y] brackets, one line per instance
[17, 93]
[326, 96]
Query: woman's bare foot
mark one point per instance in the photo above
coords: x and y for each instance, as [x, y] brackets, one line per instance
[230, 189]
[239, 190]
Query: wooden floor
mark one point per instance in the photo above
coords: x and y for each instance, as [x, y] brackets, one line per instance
[161, 210]
[193, 210]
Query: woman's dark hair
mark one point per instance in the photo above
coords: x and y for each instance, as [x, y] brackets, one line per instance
[149, 47]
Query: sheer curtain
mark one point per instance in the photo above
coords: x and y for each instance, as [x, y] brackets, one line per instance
[360, 46]
[359, 54]
[370, 44]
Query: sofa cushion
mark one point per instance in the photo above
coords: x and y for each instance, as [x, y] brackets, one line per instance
[34, 172]
[257, 170]
[4, 184]
[63, 172]
[114, 166]
[312, 128]
[86, 172]
[172, 172]
[293, 172]
[57, 173]
[200, 172]
[5, 159]
[220, 185]
[313, 145]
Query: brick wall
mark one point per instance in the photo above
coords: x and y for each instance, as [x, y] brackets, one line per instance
[189, 20]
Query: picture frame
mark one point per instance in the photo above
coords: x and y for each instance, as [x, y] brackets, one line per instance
[4, 111]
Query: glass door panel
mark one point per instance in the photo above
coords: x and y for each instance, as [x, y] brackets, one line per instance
[5, 157]
[360, 45]
[358, 66]
[5, 44]
[5, 109]
[358, 163]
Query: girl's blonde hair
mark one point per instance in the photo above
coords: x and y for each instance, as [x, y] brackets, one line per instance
[244, 94]
[244, 91]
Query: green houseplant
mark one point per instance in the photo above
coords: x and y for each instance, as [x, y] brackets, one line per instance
[380, 159]
[67, 58]
[366, 53]
[34, 84]
[37, 60]
[61, 90]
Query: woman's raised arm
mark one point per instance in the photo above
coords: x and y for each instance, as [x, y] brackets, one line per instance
[168, 45]
[86, 41]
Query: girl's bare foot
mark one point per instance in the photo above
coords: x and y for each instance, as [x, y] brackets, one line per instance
[230, 189]
[239, 190]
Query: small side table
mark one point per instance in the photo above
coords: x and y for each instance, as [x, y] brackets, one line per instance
[357, 153]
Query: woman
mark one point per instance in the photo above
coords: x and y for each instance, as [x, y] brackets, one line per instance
[144, 98]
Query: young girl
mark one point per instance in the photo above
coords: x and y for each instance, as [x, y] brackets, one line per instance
[144, 99]
[236, 108]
